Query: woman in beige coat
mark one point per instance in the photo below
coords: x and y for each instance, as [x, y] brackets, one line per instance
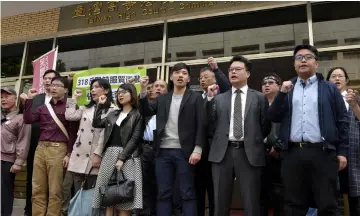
[88, 147]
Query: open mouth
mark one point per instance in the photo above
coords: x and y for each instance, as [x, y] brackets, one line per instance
[337, 83]
[180, 80]
[303, 66]
[121, 99]
[158, 93]
[233, 77]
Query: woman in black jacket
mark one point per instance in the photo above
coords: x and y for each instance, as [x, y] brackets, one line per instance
[123, 131]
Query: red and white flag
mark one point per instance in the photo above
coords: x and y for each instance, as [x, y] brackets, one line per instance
[42, 64]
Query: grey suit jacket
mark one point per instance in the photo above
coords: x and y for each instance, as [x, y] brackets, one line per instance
[256, 126]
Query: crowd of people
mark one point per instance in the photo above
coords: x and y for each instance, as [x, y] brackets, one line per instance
[288, 147]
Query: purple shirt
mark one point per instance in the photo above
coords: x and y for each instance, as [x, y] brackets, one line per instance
[49, 130]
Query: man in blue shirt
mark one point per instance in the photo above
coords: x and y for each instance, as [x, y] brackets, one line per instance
[314, 131]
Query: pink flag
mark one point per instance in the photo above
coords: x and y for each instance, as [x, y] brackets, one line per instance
[42, 64]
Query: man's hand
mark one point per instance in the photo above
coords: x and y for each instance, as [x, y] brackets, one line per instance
[131, 80]
[71, 75]
[194, 158]
[212, 90]
[144, 81]
[102, 99]
[96, 161]
[212, 63]
[352, 97]
[77, 94]
[119, 164]
[23, 98]
[273, 152]
[32, 93]
[66, 161]
[286, 86]
[342, 162]
[15, 168]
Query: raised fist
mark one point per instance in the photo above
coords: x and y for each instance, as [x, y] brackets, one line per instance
[77, 94]
[131, 80]
[102, 99]
[71, 75]
[144, 81]
[23, 98]
[352, 97]
[212, 63]
[286, 86]
[212, 90]
[32, 93]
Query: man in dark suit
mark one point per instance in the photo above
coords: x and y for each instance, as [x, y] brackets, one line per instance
[235, 147]
[38, 100]
[179, 139]
[203, 176]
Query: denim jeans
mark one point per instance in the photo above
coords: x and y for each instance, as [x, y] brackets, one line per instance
[172, 164]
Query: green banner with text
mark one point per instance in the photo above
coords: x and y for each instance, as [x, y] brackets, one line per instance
[116, 76]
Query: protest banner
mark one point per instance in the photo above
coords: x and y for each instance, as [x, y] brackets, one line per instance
[42, 64]
[116, 76]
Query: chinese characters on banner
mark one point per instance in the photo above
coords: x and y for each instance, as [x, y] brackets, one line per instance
[116, 76]
[42, 64]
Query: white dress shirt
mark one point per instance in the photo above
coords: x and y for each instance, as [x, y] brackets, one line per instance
[346, 103]
[149, 130]
[121, 117]
[47, 98]
[244, 91]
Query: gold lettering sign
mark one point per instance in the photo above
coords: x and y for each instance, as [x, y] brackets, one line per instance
[112, 12]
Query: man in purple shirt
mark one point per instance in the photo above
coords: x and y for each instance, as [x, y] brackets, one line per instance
[53, 151]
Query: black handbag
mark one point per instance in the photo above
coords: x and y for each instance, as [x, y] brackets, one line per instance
[117, 191]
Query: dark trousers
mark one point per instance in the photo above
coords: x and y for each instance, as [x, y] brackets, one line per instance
[354, 206]
[310, 174]
[7, 188]
[248, 176]
[172, 164]
[29, 172]
[149, 180]
[272, 193]
[203, 184]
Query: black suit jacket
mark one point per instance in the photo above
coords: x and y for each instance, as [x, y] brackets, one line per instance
[190, 126]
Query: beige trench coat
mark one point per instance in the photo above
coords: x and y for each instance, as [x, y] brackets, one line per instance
[89, 139]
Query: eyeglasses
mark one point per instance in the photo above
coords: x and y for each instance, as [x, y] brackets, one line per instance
[307, 57]
[334, 76]
[122, 92]
[56, 86]
[236, 69]
[270, 82]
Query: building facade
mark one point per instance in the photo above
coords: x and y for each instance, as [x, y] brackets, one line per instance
[156, 35]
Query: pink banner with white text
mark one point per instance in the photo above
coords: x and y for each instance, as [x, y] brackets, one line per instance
[42, 64]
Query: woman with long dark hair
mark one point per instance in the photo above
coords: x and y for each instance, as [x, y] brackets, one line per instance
[122, 135]
[86, 154]
[349, 177]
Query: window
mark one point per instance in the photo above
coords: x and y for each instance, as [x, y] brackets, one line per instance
[11, 56]
[336, 23]
[127, 47]
[35, 50]
[349, 59]
[266, 31]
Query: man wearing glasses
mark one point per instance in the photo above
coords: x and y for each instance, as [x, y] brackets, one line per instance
[314, 131]
[53, 151]
[272, 187]
[239, 123]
